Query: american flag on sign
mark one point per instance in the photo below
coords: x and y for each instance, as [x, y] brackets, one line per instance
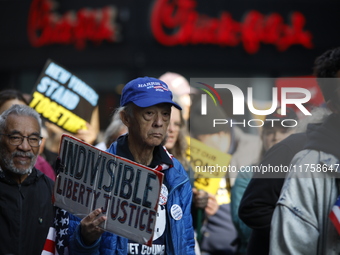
[57, 238]
[335, 215]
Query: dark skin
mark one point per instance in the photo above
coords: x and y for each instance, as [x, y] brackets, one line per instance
[90, 230]
[25, 126]
[147, 129]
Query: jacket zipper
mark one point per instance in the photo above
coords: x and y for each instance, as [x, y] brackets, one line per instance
[20, 220]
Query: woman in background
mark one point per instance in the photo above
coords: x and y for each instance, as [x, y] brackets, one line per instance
[177, 145]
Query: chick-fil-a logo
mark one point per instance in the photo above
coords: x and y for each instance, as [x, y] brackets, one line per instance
[46, 26]
[176, 22]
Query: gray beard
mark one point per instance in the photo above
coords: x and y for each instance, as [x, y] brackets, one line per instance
[8, 162]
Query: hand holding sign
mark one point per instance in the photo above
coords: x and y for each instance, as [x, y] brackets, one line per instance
[90, 230]
[125, 191]
[200, 198]
[212, 206]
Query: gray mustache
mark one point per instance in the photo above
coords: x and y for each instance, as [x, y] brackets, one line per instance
[23, 154]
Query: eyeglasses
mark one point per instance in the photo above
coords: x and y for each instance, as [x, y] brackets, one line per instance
[16, 140]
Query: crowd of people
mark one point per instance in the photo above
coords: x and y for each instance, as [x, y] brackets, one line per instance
[294, 212]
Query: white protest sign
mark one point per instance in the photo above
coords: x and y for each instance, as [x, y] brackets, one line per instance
[127, 192]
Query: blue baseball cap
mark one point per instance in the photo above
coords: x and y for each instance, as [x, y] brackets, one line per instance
[146, 92]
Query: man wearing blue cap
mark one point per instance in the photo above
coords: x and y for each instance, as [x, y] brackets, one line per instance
[145, 109]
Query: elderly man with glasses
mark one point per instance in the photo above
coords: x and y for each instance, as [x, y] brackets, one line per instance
[145, 108]
[26, 210]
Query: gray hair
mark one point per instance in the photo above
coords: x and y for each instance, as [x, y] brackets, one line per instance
[19, 110]
[128, 109]
[115, 127]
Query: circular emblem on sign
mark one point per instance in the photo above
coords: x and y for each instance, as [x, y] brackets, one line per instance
[163, 197]
[176, 212]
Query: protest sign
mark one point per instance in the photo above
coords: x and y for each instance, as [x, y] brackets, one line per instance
[127, 192]
[62, 98]
[209, 164]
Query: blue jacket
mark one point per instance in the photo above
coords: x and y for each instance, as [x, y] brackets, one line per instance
[179, 238]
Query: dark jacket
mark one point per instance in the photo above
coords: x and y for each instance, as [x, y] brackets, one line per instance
[325, 137]
[26, 213]
[259, 199]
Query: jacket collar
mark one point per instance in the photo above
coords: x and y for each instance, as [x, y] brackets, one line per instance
[31, 178]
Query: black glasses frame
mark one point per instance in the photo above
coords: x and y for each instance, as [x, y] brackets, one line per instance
[22, 137]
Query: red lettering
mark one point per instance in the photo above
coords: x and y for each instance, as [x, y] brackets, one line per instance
[122, 206]
[95, 197]
[69, 188]
[114, 215]
[75, 190]
[141, 225]
[107, 198]
[89, 192]
[178, 23]
[81, 194]
[58, 181]
[46, 27]
[137, 217]
[151, 220]
[133, 208]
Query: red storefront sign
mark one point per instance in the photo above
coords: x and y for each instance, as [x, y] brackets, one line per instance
[178, 23]
[45, 26]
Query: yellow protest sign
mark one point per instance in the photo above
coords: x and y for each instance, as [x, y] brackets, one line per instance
[209, 165]
[56, 113]
[63, 99]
